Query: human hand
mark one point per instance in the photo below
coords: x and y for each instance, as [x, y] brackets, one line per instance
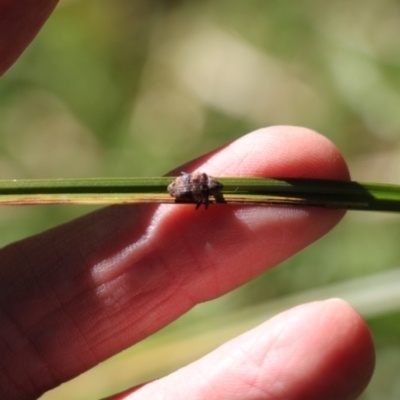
[77, 294]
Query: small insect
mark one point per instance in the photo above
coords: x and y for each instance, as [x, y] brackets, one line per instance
[194, 188]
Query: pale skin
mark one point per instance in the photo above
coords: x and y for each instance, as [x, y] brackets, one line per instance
[79, 293]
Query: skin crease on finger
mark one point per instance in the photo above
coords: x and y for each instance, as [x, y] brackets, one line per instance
[320, 350]
[79, 293]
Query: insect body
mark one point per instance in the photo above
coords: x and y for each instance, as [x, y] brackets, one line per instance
[194, 188]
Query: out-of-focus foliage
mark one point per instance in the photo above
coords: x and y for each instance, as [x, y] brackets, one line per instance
[135, 87]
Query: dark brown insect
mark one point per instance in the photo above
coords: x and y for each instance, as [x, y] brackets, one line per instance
[194, 188]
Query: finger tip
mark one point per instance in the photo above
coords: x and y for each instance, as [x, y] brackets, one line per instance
[274, 152]
[277, 152]
[352, 360]
[19, 23]
[299, 152]
[340, 357]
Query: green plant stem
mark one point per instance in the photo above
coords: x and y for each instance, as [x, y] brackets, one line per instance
[245, 191]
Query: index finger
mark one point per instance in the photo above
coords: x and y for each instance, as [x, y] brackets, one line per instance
[75, 295]
[20, 21]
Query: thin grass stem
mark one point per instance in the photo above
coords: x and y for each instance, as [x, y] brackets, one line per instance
[244, 191]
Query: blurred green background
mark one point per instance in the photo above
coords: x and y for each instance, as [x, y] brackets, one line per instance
[135, 87]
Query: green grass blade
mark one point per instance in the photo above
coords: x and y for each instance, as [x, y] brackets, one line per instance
[246, 191]
[318, 193]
